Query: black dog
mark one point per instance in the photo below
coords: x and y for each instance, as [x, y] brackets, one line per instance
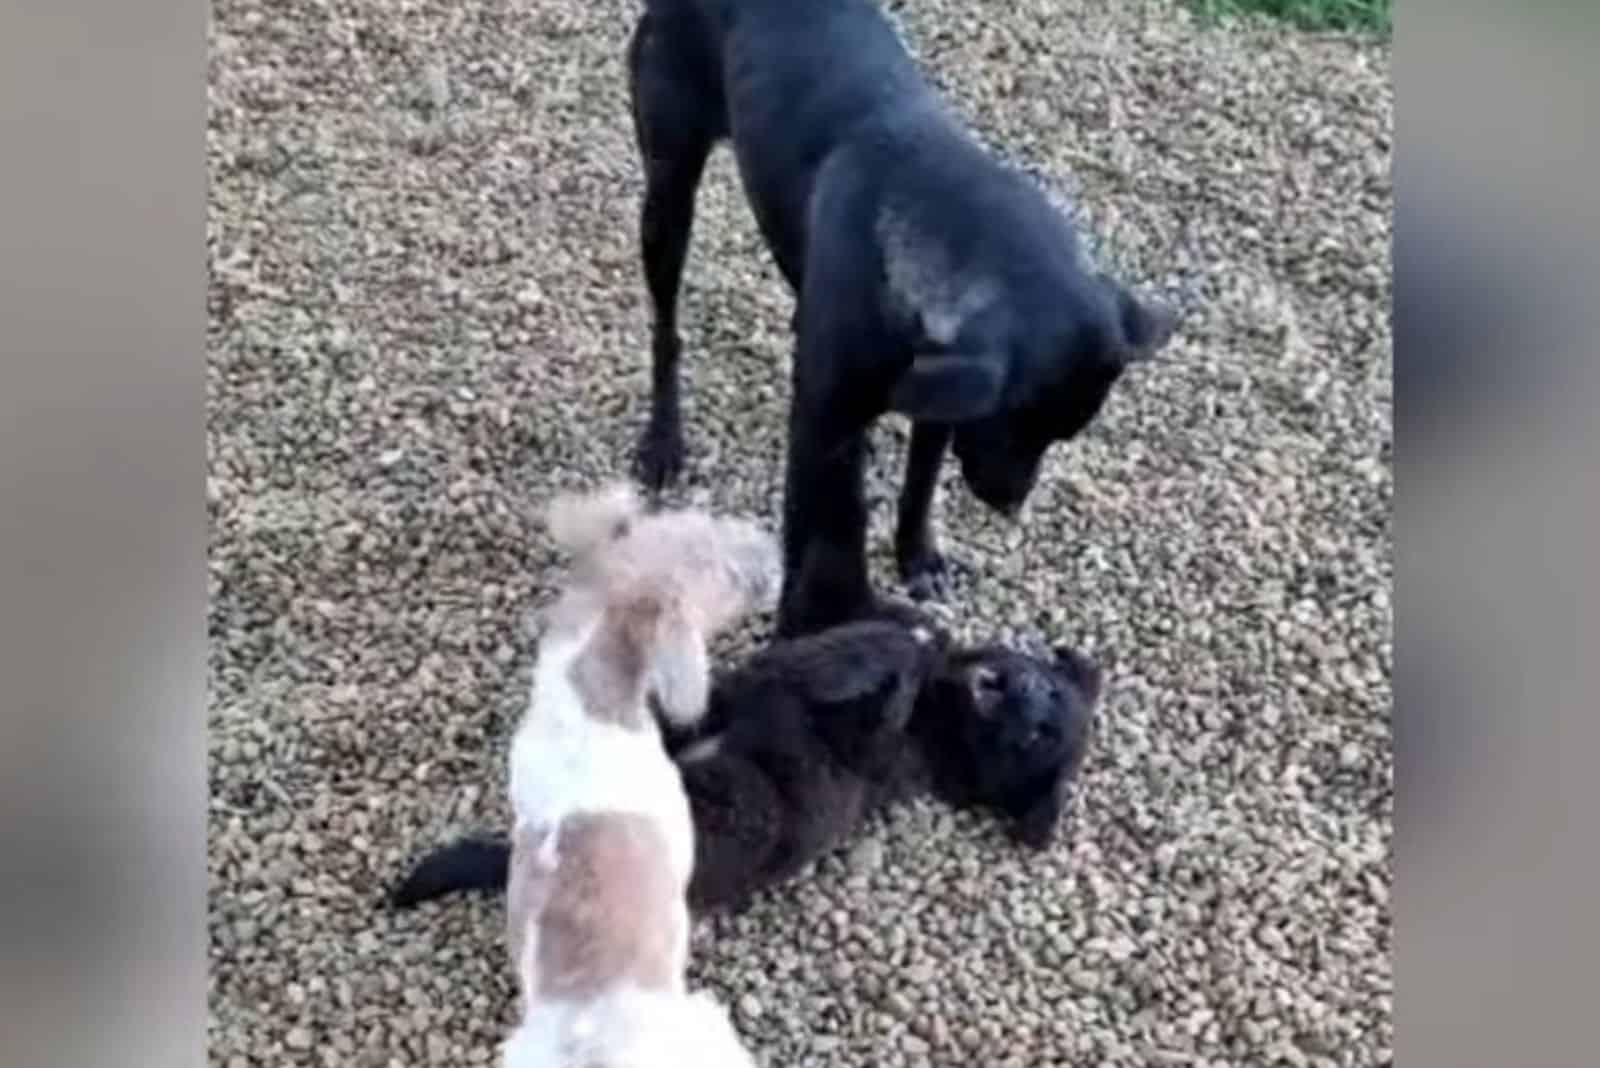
[930, 280]
[810, 736]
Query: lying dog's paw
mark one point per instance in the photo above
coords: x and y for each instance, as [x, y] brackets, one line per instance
[659, 461]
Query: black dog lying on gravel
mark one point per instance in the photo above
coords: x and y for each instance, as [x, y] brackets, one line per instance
[809, 736]
[930, 280]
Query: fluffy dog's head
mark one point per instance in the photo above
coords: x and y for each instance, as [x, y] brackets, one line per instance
[663, 584]
[1010, 731]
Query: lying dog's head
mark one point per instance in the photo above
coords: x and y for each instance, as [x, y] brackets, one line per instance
[1010, 731]
[1020, 379]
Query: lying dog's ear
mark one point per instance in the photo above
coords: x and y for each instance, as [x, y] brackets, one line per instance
[679, 672]
[1081, 670]
[1037, 817]
[1146, 328]
[949, 388]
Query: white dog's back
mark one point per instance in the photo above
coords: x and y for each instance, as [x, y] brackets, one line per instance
[563, 762]
[628, 1028]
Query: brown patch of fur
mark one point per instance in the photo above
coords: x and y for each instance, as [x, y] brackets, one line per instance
[613, 911]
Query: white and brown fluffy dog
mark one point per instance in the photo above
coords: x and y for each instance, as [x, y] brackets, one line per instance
[603, 844]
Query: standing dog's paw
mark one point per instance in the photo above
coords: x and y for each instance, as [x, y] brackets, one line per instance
[926, 575]
[659, 461]
[922, 625]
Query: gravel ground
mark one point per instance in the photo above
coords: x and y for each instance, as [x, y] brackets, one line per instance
[426, 313]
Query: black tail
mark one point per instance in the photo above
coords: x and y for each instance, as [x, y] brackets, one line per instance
[465, 864]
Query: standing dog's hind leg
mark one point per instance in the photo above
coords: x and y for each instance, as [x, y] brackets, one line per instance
[676, 121]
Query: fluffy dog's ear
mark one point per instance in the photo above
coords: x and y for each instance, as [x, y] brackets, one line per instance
[679, 672]
[949, 388]
[580, 521]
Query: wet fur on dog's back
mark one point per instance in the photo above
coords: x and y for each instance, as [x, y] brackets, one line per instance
[808, 737]
[930, 279]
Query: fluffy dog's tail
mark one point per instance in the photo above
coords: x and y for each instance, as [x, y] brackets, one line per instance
[479, 863]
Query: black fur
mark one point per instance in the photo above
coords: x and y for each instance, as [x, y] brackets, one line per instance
[805, 739]
[1009, 732]
[808, 737]
[478, 863]
[930, 280]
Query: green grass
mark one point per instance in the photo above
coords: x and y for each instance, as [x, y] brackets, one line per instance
[1369, 16]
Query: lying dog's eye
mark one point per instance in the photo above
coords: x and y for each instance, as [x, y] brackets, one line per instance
[986, 679]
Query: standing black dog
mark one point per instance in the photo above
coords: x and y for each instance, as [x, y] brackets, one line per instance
[809, 736]
[930, 280]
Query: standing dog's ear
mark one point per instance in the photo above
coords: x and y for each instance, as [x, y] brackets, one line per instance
[1145, 328]
[949, 389]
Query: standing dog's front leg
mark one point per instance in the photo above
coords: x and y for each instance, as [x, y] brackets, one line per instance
[824, 528]
[916, 549]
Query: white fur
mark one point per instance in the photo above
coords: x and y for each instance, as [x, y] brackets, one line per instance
[578, 523]
[563, 762]
[628, 1029]
[567, 759]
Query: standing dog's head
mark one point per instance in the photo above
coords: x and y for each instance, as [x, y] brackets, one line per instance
[663, 583]
[1017, 379]
[1014, 729]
